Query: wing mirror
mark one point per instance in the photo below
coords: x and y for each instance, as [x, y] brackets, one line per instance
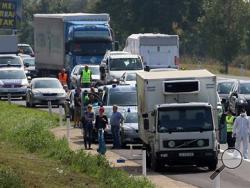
[146, 124]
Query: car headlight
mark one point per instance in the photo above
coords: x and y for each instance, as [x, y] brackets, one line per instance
[171, 144]
[61, 94]
[242, 101]
[200, 143]
[37, 94]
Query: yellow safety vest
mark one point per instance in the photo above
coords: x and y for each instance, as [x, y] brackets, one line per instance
[229, 123]
[86, 75]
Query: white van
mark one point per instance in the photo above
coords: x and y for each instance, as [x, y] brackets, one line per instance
[156, 50]
[115, 65]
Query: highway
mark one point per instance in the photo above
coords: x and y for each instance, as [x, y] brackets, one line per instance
[189, 174]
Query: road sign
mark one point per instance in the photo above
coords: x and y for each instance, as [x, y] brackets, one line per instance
[10, 13]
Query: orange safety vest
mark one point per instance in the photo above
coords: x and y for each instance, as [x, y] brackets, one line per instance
[63, 78]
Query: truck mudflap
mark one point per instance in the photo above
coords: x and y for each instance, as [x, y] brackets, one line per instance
[188, 157]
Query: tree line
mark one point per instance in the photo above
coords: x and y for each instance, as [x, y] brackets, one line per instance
[207, 28]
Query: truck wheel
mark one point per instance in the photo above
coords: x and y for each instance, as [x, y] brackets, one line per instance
[212, 165]
[156, 165]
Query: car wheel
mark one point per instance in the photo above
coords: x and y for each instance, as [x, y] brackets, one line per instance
[27, 104]
[212, 166]
[31, 103]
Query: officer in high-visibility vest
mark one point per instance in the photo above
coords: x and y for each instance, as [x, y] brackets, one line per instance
[63, 77]
[229, 120]
[86, 77]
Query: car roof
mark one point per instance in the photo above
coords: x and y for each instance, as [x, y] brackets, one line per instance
[21, 44]
[10, 55]
[244, 81]
[44, 78]
[123, 87]
[119, 56]
[11, 68]
[226, 80]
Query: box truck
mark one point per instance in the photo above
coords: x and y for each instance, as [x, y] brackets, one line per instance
[156, 50]
[66, 40]
[178, 117]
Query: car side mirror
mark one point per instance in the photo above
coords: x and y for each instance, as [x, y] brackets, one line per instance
[147, 69]
[29, 78]
[146, 124]
[26, 64]
[102, 69]
[116, 45]
[145, 115]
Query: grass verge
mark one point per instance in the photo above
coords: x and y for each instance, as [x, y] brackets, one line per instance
[29, 129]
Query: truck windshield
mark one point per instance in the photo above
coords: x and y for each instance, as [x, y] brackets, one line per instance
[185, 119]
[119, 64]
[90, 48]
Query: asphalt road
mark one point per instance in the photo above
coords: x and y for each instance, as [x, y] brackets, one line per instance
[189, 174]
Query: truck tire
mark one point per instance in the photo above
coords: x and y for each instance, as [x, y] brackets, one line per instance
[212, 165]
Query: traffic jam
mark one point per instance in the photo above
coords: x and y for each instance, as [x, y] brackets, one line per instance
[138, 95]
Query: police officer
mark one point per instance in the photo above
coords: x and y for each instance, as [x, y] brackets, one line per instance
[86, 77]
[229, 120]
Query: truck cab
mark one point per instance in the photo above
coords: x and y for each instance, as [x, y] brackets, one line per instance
[178, 118]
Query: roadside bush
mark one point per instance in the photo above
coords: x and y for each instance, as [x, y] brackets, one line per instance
[8, 179]
[33, 136]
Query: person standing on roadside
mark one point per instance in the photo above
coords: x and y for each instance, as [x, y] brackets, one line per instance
[229, 120]
[86, 77]
[77, 107]
[88, 127]
[241, 130]
[101, 122]
[115, 121]
[63, 77]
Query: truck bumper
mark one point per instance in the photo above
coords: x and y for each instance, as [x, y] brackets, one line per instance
[187, 157]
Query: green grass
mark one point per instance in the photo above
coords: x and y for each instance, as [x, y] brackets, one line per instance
[28, 130]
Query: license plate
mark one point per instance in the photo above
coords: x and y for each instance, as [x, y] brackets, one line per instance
[186, 154]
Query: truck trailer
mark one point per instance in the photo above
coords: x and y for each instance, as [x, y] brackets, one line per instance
[66, 40]
[156, 50]
[178, 118]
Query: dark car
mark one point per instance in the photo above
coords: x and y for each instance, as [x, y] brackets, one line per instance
[224, 86]
[239, 96]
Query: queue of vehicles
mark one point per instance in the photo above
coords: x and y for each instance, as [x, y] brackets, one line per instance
[172, 113]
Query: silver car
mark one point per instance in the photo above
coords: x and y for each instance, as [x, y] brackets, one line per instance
[13, 81]
[76, 74]
[42, 90]
[129, 129]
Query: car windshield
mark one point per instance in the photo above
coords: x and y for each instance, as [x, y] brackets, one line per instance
[244, 88]
[30, 61]
[94, 70]
[25, 50]
[184, 119]
[119, 64]
[123, 98]
[131, 77]
[12, 74]
[47, 84]
[131, 117]
[224, 87]
[9, 60]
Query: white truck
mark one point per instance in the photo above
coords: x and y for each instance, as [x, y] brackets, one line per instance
[156, 50]
[178, 117]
